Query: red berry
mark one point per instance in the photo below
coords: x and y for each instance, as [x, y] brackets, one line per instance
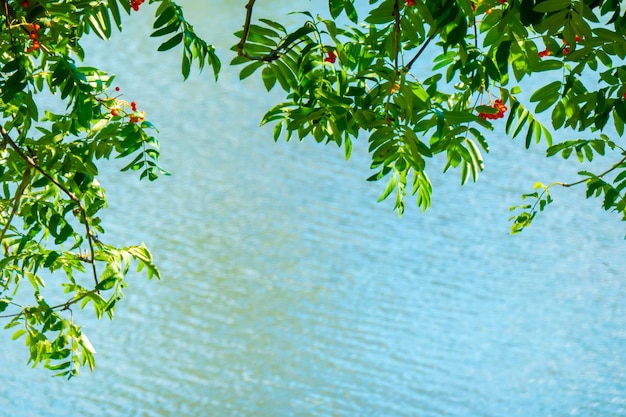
[25, 4]
[503, 1]
[114, 112]
[135, 4]
[497, 104]
[331, 57]
[410, 3]
[133, 106]
[33, 35]
[117, 89]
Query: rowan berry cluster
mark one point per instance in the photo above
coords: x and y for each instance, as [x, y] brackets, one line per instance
[498, 105]
[33, 34]
[545, 52]
[565, 51]
[134, 4]
[134, 116]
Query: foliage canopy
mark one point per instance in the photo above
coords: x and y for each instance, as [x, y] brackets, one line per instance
[416, 79]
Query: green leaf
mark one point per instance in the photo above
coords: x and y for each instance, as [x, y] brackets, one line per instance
[170, 43]
[185, 66]
[269, 79]
[552, 5]
[85, 343]
[547, 92]
[4, 303]
[292, 37]
[166, 15]
[391, 185]
[166, 30]
[108, 283]
[19, 333]
[115, 11]
[250, 69]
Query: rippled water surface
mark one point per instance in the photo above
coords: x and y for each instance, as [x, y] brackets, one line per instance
[288, 291]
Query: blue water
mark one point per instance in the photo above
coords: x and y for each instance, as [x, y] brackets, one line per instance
[288, 291]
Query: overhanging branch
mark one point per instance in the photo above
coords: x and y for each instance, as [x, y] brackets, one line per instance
[81, 208]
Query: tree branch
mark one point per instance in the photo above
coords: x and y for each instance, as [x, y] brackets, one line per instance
[608, 171]
[408, 66]
[64, 306]
[7, 16]
[246, 28]
[273, 56]
[92, 260]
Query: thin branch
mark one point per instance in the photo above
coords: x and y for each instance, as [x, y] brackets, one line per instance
[613, 168]
[273, 56]
[64, 306]
[92, 260]
[7, 17]
[246, 27]
[408, 66]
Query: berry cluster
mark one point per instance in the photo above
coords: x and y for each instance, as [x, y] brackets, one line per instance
[545, 52]
[134, 4]
[331, 57]
[499, 105]
[134, 116]
[33, 34]
[565, 51]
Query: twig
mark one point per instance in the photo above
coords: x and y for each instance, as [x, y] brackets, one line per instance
[613, 168]
[246, 28]
[408, 66]
[272, 56]
[8, 20]
[92, 260]
[64, 306]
